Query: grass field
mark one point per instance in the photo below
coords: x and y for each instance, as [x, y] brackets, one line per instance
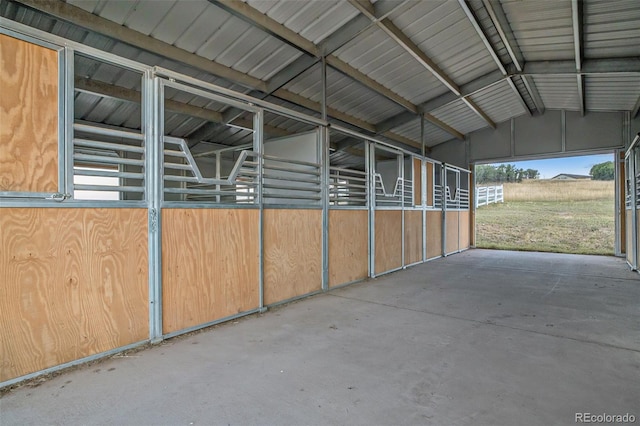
[553, 216]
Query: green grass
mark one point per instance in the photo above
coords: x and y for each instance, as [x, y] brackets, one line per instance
[582, 227]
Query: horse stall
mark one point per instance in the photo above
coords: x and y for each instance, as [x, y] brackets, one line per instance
[138, 203]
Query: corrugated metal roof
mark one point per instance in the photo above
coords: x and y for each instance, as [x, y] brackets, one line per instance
[558, 92]
[379, 57]
[484, 20]
[517, 80]
[611, 28]
[313, 20]
[500, 102]
[442, 30]
[543, 28]
[433, 135]
[459, 116]
[199, 27]
[344, 94]
[609, 93]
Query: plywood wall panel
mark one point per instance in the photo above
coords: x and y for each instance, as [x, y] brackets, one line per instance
[73, 283]
[348, 246]
[452, 237]
[210, 265]
[412, 236]
[430, 183]
[465, 226]
[388, 240]
[28, 117]
[417, 182]
[434, 234]
[292, 253]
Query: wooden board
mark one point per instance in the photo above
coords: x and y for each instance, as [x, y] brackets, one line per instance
[348, 246]
[412, 236]
[210, 265]
[430, 184]
[73, 283]
[434, 234]
[28, 117]
[465, 229]
[417, 182]
[452, 232]
[388, 240]
[292, 253]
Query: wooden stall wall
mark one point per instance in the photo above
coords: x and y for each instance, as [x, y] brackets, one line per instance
[292, 253]
[434, 233]
[417, 182]
[73, 283]
[28, 117]
[465, 229]
[388, 240]
[412, 236]
[429, 184]
[452, 237]
[210, 265]
[348, 246]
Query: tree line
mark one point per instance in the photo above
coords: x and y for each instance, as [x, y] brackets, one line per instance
[487, 173]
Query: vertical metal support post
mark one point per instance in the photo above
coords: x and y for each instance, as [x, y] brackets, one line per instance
[371, 170]
[402, 203]
[472, 205]
[218, 174]
[66, 132]
[619, 209]
[563, 122]
[324, 145]
[152, 113]
[324, 164]
[443, 179]
[633, 163]
[258, 147]
[423, 207]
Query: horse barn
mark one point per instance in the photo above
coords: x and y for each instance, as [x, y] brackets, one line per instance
[170, 165]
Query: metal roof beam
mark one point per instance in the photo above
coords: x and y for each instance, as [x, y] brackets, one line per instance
[576, 18]
[636, 108]
[264, 22]
[503, 27]
[535, 95]
[487, 44]
[612, 66]
[89, 21]
[366, 8]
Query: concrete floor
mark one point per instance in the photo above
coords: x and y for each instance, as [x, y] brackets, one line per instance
[479, 338]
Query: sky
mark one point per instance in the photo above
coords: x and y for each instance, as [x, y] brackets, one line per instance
[573, 165]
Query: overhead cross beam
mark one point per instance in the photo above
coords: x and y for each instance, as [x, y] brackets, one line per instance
[576, 18]
[503, 28]
[366, 8]
[276, 29]
[487, 44]
[91, 22]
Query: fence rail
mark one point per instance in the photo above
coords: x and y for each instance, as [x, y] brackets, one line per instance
[486, 195]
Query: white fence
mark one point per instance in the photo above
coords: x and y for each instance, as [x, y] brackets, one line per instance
[486, 195]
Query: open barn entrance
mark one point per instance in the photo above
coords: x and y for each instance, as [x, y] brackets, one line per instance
[562, 205]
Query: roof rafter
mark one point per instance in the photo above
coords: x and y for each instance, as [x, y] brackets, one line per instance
[91, 22]
[502, 26]
[255, 17]
[366, 8]
[485, 40]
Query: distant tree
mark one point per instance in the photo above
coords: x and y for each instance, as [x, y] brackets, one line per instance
[603, 171]
[487, 173]
[531, 174]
